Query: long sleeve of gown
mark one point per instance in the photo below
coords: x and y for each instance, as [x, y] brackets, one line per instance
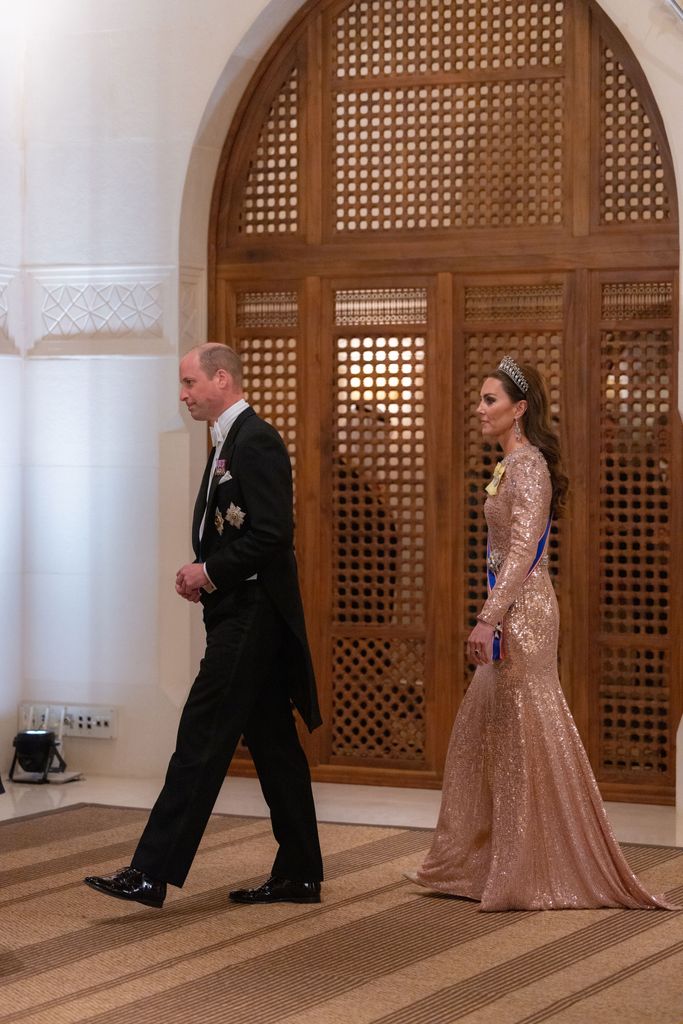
[529, 481]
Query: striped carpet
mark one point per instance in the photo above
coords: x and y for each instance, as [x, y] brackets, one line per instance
[378, 949]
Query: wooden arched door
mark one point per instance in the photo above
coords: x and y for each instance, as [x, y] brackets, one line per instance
[409, 190]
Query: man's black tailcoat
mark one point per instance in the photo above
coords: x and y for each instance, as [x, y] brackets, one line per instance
[257, 478]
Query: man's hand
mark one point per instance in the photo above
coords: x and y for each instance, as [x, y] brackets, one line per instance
[189, 580]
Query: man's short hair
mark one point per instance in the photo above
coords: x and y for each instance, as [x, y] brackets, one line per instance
[214, 356]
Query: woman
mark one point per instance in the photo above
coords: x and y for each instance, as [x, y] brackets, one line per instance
[522, 825]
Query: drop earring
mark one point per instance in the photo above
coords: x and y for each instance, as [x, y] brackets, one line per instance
[518, 431]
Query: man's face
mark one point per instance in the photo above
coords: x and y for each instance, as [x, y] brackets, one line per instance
[204, 397]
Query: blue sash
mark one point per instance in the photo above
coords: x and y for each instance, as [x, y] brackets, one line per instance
[498, 651]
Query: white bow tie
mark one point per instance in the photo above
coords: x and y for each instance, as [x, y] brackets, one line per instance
[216, 434]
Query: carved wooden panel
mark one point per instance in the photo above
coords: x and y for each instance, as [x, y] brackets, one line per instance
[267, 309]
[513, 303]
[505, 305]
[632, 185]
[438, 157]
[637, 300]
[635, 522]
[427, 38]
[269, 357]
[379, 477]
[270, 203]
[442, 182]
[270, 365]
[385, 306]
[270, 362]
[635, 712]
[379, 708]
[636, 480]
[378, 535]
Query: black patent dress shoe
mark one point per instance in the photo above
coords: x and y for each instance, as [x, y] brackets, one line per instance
[130, 884]
[279, 890]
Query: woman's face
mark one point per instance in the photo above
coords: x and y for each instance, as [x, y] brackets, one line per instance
[496, 410]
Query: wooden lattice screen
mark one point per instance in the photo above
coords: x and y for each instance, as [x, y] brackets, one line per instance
[634, 557]
[410, 189]
[526, 319]
[378, 537]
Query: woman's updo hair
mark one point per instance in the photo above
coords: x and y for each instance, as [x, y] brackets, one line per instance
[538, 428]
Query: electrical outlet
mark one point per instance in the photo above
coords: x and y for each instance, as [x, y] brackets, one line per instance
[88, 720]
[69, 719]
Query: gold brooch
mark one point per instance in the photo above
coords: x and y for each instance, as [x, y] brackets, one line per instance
[234, 515]
[219, 522]
[492, 487]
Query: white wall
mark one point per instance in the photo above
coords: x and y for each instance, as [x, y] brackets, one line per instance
[102, 104]
[112, 117]
[11, 599]
[11, 375]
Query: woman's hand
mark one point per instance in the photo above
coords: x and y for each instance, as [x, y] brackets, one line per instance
[480, 643]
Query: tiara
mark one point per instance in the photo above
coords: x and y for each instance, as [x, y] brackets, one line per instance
[509, 366]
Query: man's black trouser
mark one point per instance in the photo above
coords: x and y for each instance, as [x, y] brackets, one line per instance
[240, 690]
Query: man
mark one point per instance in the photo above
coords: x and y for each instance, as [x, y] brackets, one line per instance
[257, 662]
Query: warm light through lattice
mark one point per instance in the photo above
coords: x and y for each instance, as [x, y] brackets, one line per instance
[484, 351]
[634, 711]
[414, 37]
[270, 360]
[271, 197]
[632, 174]
[635, 542]
[379, 700]
[473, 155]
[380, 479]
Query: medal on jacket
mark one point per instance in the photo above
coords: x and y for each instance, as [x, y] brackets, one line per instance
[234, 515]
[219, 522]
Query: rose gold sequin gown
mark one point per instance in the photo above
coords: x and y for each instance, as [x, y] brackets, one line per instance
[522, 825]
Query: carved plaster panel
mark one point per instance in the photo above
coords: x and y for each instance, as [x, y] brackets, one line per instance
[9, 293]
[192, 307]
[119, 309]
[4, 308]
[98, 310]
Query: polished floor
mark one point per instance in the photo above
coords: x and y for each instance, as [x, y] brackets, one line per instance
[363, 805]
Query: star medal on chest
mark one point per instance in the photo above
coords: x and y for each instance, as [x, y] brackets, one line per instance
[234, 515]
[492, 487]
[219, 522]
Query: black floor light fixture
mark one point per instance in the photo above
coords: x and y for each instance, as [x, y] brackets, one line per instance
[36, 752]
